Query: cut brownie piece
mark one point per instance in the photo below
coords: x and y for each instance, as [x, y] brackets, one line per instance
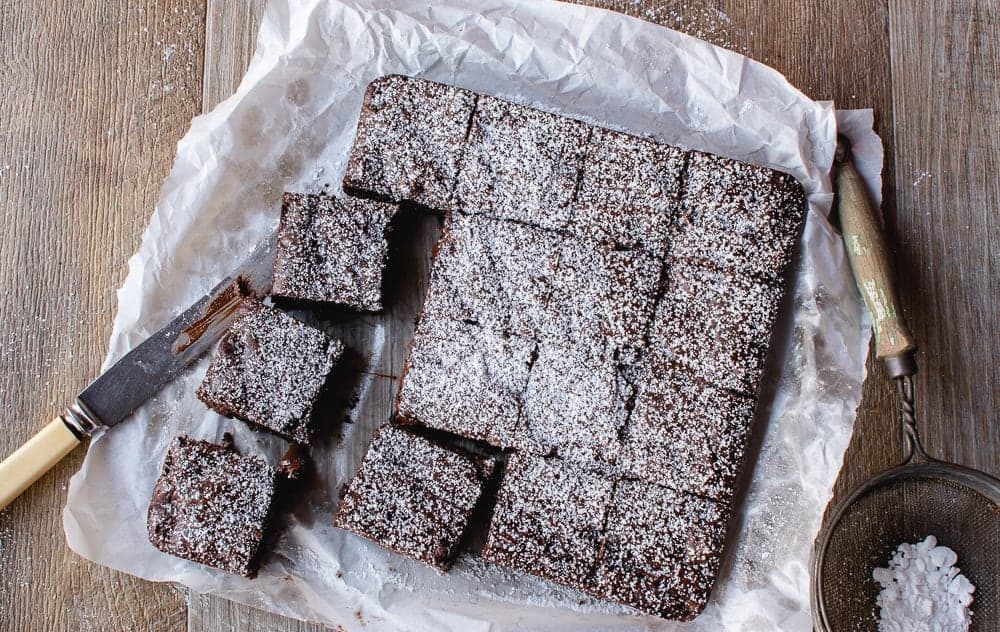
[410, 138]
[494, 273]
[211, 505]
[602, 294]
[716, 323]
[465, 379]
[629, 191]
[269, 370]
[738, 216]
[661, 550]
[521, 164]
[332, 250]
[549, 519]
[686, 434]
[576, 403]
[413, 497]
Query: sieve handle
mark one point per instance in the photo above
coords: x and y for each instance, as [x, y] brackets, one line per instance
[869, 258]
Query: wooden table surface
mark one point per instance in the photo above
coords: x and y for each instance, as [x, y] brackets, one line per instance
[94, 94]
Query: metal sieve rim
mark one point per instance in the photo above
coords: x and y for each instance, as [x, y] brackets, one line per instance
[979, 482]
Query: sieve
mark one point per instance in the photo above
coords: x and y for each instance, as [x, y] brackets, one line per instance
[920, 497]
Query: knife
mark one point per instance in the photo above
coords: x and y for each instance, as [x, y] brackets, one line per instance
[140, 374]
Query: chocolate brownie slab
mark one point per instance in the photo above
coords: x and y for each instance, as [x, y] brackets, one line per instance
[549, 519]
[576, 403]
[269, 370]
[686, 434]
[494, 273]
[629, 191]
[413, 497]
[211, 505]
[716, 323]
[661, 550]
[738, 216]
[332, 250]
[465, 379]
[410, 138]
[521, 164]
[601, 295]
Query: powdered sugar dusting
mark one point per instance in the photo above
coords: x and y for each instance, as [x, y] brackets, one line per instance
[409, 140]
[269, 369]
[661, 550]
[579, 268]
[210, 505]
[521, 164]
[685, 434]
[602, 295]
[332, 250]
[738, 217]
[494, 273]
[576, 403]
[549, 519]
[466, 379]
[628, 191]
[412, 496]
[716, 323]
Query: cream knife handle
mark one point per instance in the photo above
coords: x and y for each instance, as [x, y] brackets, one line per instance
[35, 458]
[869, 257]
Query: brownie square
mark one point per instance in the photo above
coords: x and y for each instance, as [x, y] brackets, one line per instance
[211, 505]
[685, 434]
[521, 164]
[576, 403]
[494, 273]
[410, 138]
[738, 216]
[629, 191]
[465, 379]
[413, 497]
[269, 370]
[661, 550]
[332, 250]
[549, 519]
[602, 295]
[716, 323]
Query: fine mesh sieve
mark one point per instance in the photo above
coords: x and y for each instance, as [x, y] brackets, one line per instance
[921, 497]
[959, 506]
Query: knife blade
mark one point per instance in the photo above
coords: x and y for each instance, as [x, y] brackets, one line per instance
[141, 373]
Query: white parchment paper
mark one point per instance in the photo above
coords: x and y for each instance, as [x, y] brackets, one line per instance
[290, 127]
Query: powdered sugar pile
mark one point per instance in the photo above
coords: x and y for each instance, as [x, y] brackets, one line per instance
[923, 590]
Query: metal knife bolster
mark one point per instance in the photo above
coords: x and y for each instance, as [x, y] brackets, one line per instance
[145, 370]
[79, 421]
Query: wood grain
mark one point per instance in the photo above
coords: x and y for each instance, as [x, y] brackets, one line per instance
[946, 99]
[93, 97]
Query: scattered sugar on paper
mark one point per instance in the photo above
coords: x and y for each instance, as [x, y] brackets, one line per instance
[923, 590]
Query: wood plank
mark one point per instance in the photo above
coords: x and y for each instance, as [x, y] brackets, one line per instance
[209, 613]
[946, 98]
[230, 38]
[93, 97]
